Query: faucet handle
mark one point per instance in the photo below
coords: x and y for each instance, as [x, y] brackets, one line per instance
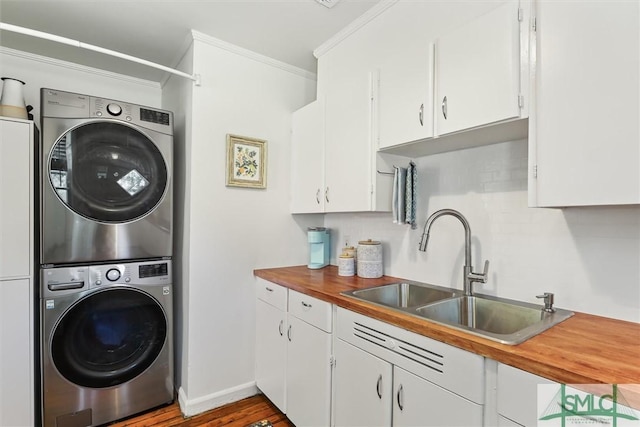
[480, 277]
[548, 302]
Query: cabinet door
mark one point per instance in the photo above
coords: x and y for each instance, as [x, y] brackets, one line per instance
[308, 374]
[405, 96]
[271, 352]
[362, 392]
[418, 402]
[478, 71]
[584, 140]
[348, 146]
[16, 353]
[15, 201]
[518, 394]
[307, 159]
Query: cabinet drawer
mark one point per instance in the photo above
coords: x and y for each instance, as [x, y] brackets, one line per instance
[311, 310]
[271, 293]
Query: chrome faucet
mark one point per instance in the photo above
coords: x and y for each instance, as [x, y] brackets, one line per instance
[469, 275]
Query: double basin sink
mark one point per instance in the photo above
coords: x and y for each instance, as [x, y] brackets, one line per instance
[498, 319]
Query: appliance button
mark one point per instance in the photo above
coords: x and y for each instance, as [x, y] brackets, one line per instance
[98, 282]
[128, 118]
[98, 113]
[113, 274]
[114, 109]
[127, 279]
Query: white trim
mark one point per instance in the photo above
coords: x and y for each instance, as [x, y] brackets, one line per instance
[252, 55]
[360, 22]
[215, 400]
[76, 67]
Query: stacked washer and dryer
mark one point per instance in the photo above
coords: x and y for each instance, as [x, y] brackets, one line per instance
[105, 259]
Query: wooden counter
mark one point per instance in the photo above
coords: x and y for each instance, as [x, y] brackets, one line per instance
[584, 349]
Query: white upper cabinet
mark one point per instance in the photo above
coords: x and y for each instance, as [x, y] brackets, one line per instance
[405, 96]
[478, 71]
[307, 159]
[348, 146]
[584, 136]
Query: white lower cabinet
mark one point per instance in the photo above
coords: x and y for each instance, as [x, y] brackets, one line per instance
[363, 387]
[418, 402]
[271, 352]
[518, 396]
[387, 376]
[293, 353]
[308, 374]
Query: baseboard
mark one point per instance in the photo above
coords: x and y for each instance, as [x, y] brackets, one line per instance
[215, 400]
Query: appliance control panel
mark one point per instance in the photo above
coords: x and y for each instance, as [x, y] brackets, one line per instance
[61, 104]
[66, 280]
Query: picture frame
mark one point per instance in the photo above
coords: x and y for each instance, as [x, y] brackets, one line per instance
[246, 162]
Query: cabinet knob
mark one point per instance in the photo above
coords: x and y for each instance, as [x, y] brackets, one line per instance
[280, 327]
[379, 386]
[318, 196]
[444, 107]
[421, 115]
[289, 333]
[326, 194]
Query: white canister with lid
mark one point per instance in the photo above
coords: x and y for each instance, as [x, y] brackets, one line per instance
[346, 265]
[369, 259]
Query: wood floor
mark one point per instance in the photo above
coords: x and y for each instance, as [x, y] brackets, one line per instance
[238, 414]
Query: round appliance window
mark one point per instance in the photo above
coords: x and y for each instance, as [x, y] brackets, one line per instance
[108, 172]
[109, 338]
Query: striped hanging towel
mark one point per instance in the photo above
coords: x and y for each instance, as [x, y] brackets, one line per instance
[411, 182]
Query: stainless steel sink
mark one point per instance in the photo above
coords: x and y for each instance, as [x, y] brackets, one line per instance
[498, 319]
[403, 295]
[508, 322]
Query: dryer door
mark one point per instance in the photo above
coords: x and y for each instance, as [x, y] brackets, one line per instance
[109, 337]
[108, 172]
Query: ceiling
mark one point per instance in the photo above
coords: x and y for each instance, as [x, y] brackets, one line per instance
[157, 30]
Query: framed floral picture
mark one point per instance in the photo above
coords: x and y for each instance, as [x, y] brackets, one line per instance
[246, 162]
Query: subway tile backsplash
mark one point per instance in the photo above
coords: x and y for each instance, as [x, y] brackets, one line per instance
[589, 257]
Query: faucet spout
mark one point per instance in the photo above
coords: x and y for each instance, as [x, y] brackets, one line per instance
[469, 275]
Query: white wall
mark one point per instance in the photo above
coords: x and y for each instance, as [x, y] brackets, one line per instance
[231, 231]
[589, 257]
[177, 96]
[38, 72]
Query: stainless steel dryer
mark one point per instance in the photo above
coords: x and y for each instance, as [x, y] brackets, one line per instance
[106, 341]
[106, 180]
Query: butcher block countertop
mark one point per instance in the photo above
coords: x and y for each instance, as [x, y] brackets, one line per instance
[584, 349]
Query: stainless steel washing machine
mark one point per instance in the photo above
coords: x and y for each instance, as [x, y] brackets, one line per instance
[106, 341]
[106, 180]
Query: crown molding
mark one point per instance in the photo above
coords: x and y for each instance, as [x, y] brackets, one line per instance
[77, 67]
[212, 41]
[360, 22]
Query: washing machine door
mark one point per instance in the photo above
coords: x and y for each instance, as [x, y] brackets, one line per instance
[107, 171]
[109, 337]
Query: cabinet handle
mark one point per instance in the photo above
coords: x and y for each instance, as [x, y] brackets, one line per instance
[280, 327]
[379, 387]
[268, 289]
[318, 196]
[306, 305]
[400, 397]
[421, 115]
[444, 107]
[326, 194]
[289, 333]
